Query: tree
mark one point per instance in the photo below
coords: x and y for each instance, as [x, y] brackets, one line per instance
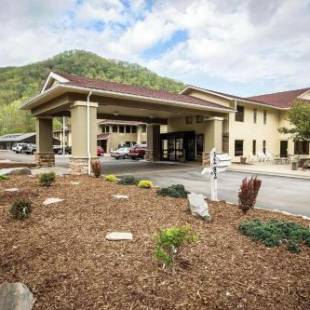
[299, 118]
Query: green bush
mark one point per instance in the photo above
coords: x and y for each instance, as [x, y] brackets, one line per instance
[275, 232]
[129, 180]
[169, 242]
[145, 184]
[111, 178]
[176, 191]
[21, 209]
[3, 177]
[47, 179]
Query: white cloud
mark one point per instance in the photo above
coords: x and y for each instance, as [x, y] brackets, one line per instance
[240, 42]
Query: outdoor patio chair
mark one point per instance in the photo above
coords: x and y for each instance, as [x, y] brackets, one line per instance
[261, 156]
[268, 156]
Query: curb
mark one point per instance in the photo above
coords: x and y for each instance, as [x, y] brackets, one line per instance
[274, 174]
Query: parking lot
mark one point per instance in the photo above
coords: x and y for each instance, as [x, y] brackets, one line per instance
[283, 193]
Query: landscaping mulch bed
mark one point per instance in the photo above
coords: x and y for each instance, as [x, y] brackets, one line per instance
[61, 254]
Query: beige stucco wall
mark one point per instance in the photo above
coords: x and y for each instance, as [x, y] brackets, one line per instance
[212, 98]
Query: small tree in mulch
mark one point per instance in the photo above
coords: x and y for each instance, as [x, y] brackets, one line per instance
[170, 241]
[96, 168]
[175, 191]
[248, 193]
[274, 233]
[21, 209]
[47, 179]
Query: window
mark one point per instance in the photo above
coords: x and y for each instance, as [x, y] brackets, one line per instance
[143, 128]
[264, 146]
[188, 120]
[114, 128]
[254, 147]
[121, 129]
[127, 129]
[265, 117]
[239, 116]
[254, 116]
[301, 147]
[134, 129]
[199, 119]
[238, 147]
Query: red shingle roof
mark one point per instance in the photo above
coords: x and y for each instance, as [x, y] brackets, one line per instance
[80, 81]
[281, 99]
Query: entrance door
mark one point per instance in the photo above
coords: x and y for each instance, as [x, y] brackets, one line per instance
[283, 148]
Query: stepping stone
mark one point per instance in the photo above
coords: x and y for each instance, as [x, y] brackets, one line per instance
[52, 200]
[15, 296]
[118, 236]
[13, 189]
[198, 206]
[75, 183]
[120, 197]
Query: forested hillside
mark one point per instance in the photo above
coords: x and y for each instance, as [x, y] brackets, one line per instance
[17, 84]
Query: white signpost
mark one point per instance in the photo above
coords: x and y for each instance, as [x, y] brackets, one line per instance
[218, 163]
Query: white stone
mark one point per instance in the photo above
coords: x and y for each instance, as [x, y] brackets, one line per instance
[51, 200]
[13, 189]
[198, 206]
[117, 236]
[120, 197]
[75, 183]
[15, 296]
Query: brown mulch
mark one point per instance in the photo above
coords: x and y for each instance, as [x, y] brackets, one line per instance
[4, 165]
[61, 253]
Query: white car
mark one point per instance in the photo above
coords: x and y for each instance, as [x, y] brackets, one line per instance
[19, 147]
[120, 153]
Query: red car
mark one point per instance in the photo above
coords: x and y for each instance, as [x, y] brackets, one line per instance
[100, 151]
[137, 151]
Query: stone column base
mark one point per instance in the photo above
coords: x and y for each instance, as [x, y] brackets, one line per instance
[79, 166]
[151, 155]
[45, 159]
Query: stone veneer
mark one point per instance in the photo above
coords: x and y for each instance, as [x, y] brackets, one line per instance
[45, 159]
[79, 166]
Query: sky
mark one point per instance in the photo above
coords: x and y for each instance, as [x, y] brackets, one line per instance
[243, 47]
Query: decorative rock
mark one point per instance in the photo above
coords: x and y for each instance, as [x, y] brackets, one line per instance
[52, 200]
[13, 189]
[15, 171]
[15, 296]
[75, 183]
[120, 197]
[118, 236]
[198, 206]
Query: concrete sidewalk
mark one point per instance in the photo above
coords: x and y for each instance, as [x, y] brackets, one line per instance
[271, 169]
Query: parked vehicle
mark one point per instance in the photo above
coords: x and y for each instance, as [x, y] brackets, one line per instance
[19, 148]
[137, 151]
[31, 148]
[100, 151]
[120, 153]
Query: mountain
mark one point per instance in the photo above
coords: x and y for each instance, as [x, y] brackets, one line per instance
[19, 83]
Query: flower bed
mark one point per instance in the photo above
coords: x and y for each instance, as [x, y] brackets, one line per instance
[61, 254]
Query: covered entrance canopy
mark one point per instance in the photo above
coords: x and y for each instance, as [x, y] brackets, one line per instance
[86, 100]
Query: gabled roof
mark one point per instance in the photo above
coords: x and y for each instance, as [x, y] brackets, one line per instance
[79, 81]
[282, 99]
[16, 137]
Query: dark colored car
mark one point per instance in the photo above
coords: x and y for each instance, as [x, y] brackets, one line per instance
[137, 151]
[100, 151]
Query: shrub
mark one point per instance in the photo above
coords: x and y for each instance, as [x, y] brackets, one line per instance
[274, 233]
[170, 241]
[129, 180]
[21, 209]
[176, 191]
[111, 178]
[248, 193]
[96, 168]
[47, 179]
[3, 177]
[145, 184]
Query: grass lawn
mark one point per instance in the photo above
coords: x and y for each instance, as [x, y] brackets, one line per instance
[61, 253]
